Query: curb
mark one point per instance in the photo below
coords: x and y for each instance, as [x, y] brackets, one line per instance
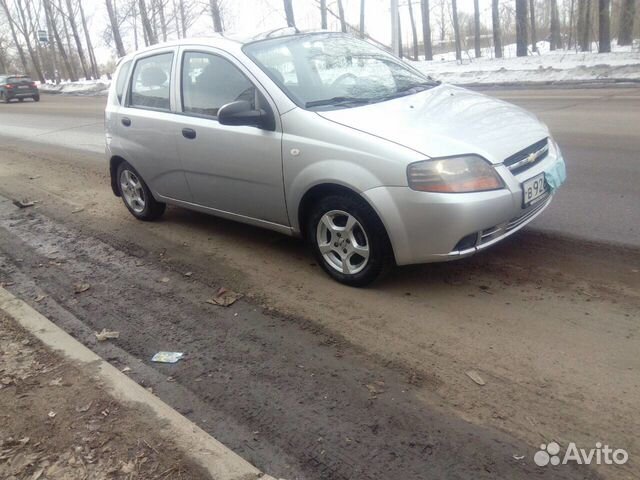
[198, 445]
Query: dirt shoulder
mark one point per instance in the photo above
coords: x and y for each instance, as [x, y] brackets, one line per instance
[58, 422]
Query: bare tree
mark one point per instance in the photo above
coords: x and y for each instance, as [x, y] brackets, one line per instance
[555, 40]
[14, 35]
[521, 28]
[214, 6]
[115, 28]
[497, 34]
[76, 37]
[56, 34]
[456, 29]
[343, 22]
[26, 28]
[288, 11]
[92, 55]
[476, 28]
[627, 15]
[426, 30]
[159, 8]
[323, 14]
[571, 23]
[362, 4]
[414, 31]
[532, 18]
[604, 35]
[150, 35]
[400, 49]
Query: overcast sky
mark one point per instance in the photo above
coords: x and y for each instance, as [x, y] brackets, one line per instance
[258, 15]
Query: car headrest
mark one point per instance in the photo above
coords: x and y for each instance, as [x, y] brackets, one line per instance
[153, 77]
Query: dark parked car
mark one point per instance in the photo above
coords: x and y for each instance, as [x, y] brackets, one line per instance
[18, 86]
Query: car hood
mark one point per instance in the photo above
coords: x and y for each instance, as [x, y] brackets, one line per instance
[445, 121]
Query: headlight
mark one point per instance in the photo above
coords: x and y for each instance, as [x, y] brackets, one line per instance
[467, 173]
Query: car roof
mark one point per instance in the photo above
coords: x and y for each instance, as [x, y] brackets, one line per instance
[228, 41]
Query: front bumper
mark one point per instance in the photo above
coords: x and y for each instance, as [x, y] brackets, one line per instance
[429, 227]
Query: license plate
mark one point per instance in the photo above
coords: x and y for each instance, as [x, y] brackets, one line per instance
[23, 86]
[533, 189]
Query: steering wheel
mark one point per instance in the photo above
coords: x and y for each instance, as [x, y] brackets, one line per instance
[342, 78]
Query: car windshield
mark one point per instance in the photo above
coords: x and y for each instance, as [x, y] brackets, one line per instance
[327, 71]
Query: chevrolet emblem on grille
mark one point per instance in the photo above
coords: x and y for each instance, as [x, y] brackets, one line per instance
[532, 157]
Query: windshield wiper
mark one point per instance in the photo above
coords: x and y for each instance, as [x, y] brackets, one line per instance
[337, 101]
[411, 89]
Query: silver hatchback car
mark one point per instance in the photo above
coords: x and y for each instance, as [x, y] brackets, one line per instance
[328, 137]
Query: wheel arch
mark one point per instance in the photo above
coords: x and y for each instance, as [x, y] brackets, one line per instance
[114, 163]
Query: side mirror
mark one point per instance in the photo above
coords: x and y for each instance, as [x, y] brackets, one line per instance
[241, 113]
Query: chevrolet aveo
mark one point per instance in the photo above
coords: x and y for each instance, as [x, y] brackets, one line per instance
[325, 136]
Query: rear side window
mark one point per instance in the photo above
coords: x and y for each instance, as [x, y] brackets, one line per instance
[210, 81]
[151, 81]
[19, 80]
[121, 83]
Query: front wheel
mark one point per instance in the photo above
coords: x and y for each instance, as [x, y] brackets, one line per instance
[3, 97]
[136, 195]
[349, 240]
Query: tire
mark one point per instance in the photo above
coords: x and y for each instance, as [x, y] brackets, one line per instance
[344, 228]
[136, 195]
[21, 100]
[36, 98]
[4, 98]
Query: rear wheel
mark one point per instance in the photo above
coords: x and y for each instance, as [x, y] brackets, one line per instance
[136, 195]
[3, 97]
[36, 98]
[21, 100]
[349, 240]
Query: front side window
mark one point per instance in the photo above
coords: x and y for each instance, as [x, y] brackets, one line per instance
[324, 70]
[150, 85]
[210, 81]
[121, 83]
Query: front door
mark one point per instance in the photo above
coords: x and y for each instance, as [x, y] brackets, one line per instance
[235, 169]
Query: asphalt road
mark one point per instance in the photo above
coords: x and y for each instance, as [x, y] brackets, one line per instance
[309, 379]
[598, 130]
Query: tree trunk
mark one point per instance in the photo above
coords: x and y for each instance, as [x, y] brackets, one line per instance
[414, 31]
[426, 30]
[52, 49]
[92, 55]
[584, 25]
[323, 14]
[571, 23]
[183, 19]
[26, 33]
[163, 20]
[14, 35]
[497, 34]
[343, 22]
[146, 24]
[476, 28]
[554, 27]
[56, 34]
[76, 37]
[627, 15]
[115, 29]
[38, 49]
[456, 29]
[216, 15]
[288, 11]
[532, 19]
[521, 28]
[604, 35]
[362, 4]
[400, 49]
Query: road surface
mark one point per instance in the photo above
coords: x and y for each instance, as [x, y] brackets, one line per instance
[597, 129]
[308, 379]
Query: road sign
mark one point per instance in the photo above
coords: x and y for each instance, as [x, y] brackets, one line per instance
[43, 36]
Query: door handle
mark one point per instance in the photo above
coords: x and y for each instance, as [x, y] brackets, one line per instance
[189, 133]
[126, 121]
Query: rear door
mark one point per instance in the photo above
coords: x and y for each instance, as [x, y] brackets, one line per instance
[146, 124]
[235, 169]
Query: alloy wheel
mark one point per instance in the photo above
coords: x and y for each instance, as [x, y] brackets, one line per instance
[343, 242]
[132, 191]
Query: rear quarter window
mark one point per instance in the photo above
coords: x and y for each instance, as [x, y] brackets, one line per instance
[121, 81]
[150, 82]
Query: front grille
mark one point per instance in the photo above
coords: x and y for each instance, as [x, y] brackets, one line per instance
[527, 158]
[528, 213]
